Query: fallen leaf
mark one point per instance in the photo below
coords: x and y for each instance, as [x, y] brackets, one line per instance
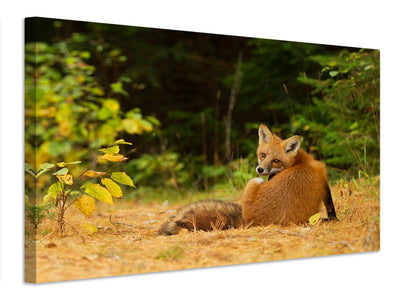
[314, 219]
[88, 227]
[51, 245]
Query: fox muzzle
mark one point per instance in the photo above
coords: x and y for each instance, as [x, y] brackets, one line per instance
[267, 171]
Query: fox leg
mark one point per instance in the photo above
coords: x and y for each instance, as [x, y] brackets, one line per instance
[251, 189]
[330, 208]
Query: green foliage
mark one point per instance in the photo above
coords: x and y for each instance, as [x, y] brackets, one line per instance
[165, 169]
[342, 124]
[171, 170]
[242, 170]
[36, 214]
[68, 107]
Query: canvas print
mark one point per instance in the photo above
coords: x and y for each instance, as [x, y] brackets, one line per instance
[150, 150]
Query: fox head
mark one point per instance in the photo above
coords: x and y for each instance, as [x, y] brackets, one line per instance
[275, 154]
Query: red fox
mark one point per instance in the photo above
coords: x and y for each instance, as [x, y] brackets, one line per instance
[297, 185]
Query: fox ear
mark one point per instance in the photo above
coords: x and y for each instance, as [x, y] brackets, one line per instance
[264, 134]
[292, 145]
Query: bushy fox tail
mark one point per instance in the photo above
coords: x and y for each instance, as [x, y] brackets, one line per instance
[204, 215]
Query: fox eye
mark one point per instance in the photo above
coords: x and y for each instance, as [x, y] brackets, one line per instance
[263, 155]
[276, 161]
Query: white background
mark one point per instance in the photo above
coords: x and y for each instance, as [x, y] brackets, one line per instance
[369, 24]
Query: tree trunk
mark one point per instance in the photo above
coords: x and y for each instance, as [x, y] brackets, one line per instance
[232, 102]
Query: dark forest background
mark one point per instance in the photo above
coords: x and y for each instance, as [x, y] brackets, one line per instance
[191, 103]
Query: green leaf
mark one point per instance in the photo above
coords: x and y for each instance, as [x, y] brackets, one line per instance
[333, 73]
[43, 168]
[59, 148]
[153, 120]
[52, 192]
[54, 189]
[117, 87]
[62, 171]
[112, 149]
[30, 170]
[98, 192]
[353, 126]
[112, 187]
[122, 178]
[29, 167]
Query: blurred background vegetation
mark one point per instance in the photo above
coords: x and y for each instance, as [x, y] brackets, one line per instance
[191, 103]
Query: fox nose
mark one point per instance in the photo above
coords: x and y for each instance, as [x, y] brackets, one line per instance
[259, 170]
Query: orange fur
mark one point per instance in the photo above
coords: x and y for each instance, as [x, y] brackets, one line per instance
[295, 192]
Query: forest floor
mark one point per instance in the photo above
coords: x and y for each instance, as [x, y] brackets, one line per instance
[126, 241]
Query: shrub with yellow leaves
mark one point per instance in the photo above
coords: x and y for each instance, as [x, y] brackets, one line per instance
[79, 191]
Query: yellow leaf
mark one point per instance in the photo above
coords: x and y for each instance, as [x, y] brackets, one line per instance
[88, 227]
[112, 149]
[145, 125]
[112, 105]
[86, 205]
[121, 142]
[122, 177]
[63, 164]
[112, 187]
[131, 126]
[80, 78]
[97, 91]
[65, 128]
[91, 173]
[113, 157]
[67, 178]
[98, 192]
[314, 219]
[49, 112]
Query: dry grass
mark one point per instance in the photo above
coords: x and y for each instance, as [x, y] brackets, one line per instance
[118, 249]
